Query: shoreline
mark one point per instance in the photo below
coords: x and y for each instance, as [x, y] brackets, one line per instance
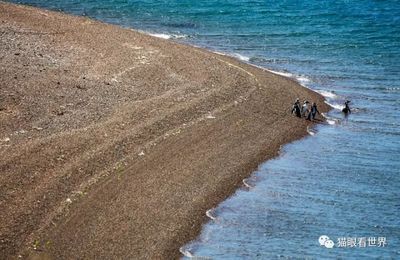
[173, 130]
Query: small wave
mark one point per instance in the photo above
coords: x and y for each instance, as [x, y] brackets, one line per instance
[247, 184]
[241, 57]
[303, 79]
[219, 53]
[335, 106]
[168, 36]
[180, 25]
[310, 131]
[281, 151]
[209, 213]
[259, 59]
[281, 73]
[331, 120]
[327, 94]
[185, 252]
[392, 89]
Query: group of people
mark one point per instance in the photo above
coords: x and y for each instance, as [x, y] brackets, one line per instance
[305, 110]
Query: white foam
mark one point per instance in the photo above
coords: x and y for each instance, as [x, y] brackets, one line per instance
[219, 53]
[185, 252]
[303, 79]
[281, 73]
[310, 132]
[246, 184]
[327, 94]
[335, 106]
[209, 214]
[331, 122]
[167, 36]
[241, 57]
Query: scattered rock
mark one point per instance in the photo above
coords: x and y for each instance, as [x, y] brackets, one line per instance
[7, 139]
[209, 116]
[141, 153]
[21, 131]
[68, 200]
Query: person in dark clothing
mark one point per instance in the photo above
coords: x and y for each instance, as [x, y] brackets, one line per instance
[296, 110]
[313, 112]
[346, 108]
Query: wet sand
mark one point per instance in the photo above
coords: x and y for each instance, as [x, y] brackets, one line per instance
[113, 143]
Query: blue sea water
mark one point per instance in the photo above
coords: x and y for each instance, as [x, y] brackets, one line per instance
[343, 181]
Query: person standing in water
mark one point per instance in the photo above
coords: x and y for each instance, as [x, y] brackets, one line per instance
[346, 108]
[296, 108]
[313, 112]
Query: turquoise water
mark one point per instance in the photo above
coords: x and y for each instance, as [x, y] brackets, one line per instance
[344, 181]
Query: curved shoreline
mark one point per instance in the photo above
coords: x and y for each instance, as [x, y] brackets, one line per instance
[166, 130]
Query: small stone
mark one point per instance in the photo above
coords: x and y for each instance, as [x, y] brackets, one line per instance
[141, 153]
[68, 200]
[7, 139]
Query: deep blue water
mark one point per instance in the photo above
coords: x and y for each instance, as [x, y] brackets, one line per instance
[343, 182]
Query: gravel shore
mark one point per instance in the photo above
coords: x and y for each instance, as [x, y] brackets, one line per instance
[113, 143]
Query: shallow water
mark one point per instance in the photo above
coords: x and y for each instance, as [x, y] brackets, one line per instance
[343, 181]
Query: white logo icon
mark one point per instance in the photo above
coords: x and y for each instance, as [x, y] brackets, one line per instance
[325, 241]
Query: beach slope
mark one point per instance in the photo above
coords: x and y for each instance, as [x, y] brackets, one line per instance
[113, 143]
